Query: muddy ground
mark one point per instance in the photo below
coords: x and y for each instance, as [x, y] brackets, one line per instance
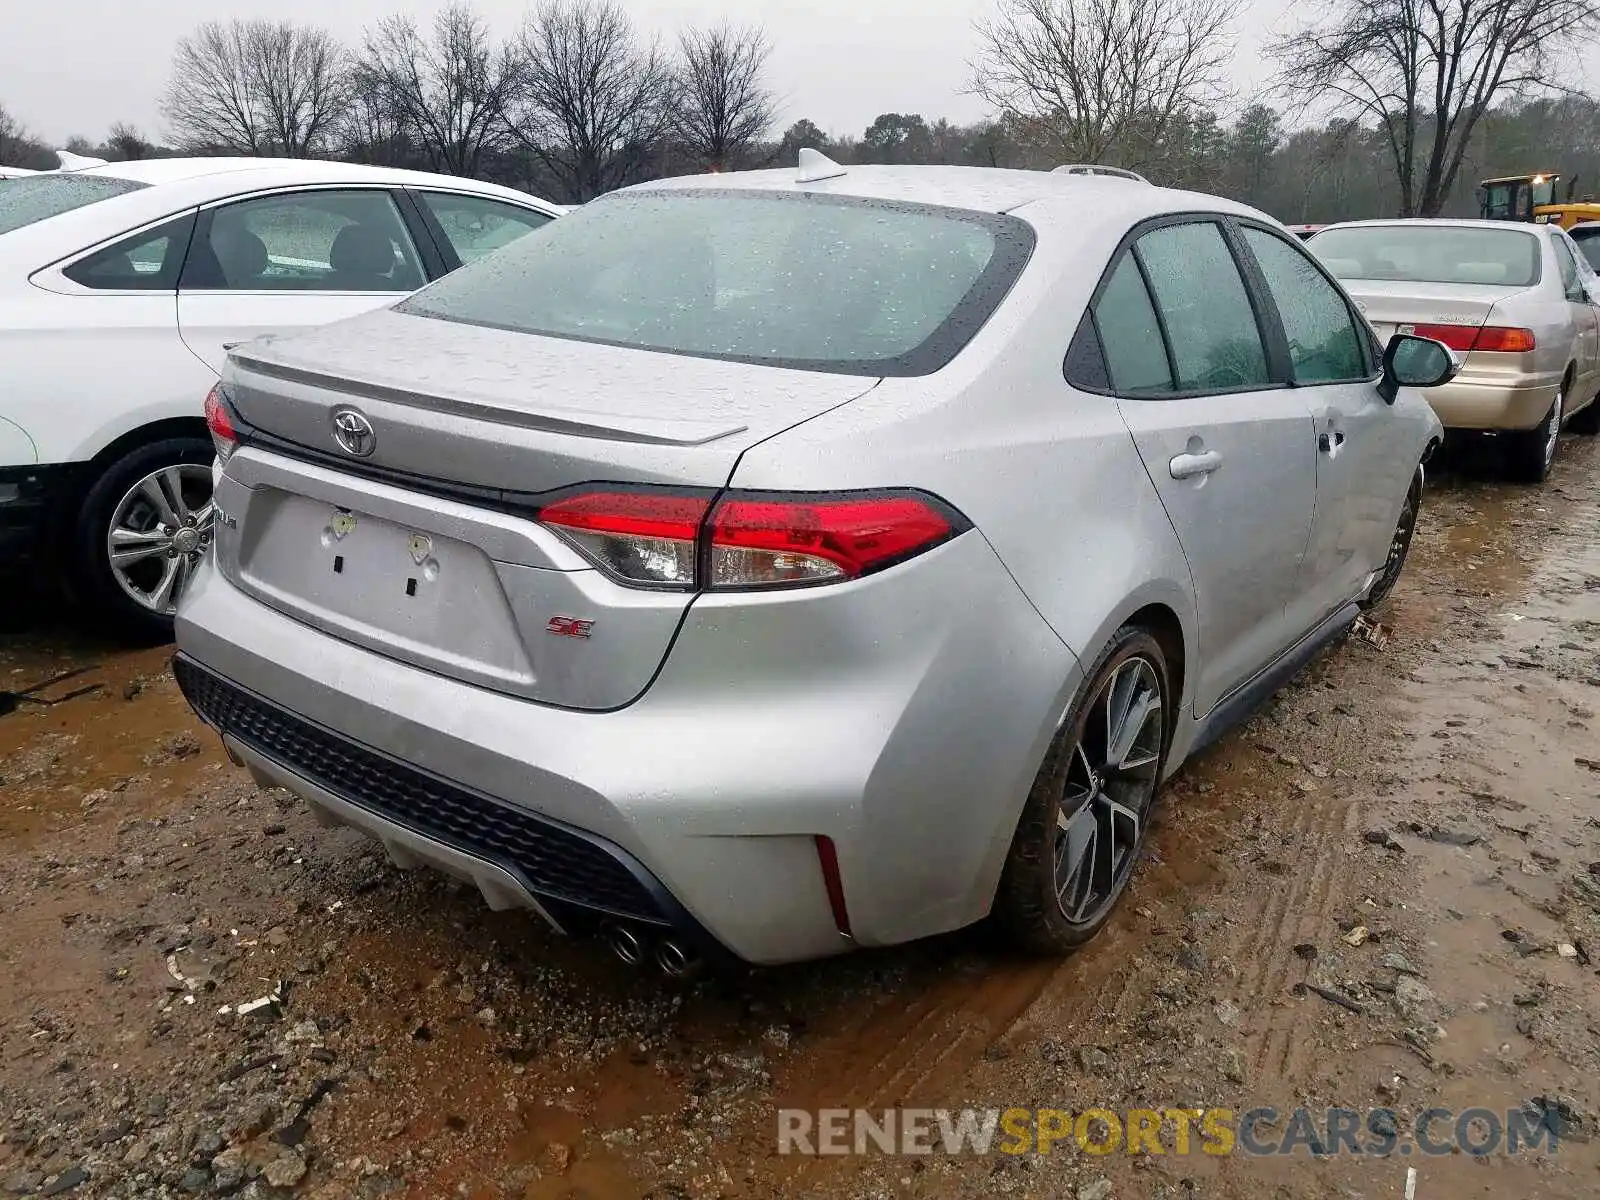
[1412, 828]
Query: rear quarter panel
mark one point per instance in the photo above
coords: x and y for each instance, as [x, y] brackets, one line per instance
[1049, 476]
[77, 372]
[1051, 479]
[1543, 308]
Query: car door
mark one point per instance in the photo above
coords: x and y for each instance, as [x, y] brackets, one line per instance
[467, 227]
[1362, 475]
[1585, 323]
[1229, 446]
[290, 259]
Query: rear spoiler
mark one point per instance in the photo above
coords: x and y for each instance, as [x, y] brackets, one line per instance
[77, 162]
[1099, 169]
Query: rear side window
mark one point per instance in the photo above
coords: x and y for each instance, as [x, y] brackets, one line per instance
[475, 226]
[146, 262]
[322, 240]
[1324, 342]
[1130, 335]
[820, 283]
[1589, 242]
[1211, 328]
[1568, 266]
[37, 197]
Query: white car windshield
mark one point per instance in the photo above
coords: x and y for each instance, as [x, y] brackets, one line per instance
[820, 283]
[1430, 254]
[35, 197]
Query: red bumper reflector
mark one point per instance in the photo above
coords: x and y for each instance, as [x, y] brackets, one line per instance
[828, 857]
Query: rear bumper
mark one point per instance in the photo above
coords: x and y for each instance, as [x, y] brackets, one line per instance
[1468, 403]
[904, 717]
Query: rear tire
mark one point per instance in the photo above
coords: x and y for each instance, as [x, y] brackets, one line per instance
[1083, 826]
[154, 528]
[1530, 453]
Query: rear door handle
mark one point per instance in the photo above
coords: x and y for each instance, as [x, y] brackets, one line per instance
[1329, 440]
[231, 345]
[1186, 466]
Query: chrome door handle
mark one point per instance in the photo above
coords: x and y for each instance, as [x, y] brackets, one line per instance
[1186, 466]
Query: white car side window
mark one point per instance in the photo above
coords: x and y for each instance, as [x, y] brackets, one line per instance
[323, 241]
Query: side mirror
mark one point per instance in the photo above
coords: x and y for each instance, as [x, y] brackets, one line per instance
[1411, 361]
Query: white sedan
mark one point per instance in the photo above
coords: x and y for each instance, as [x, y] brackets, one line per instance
[123, 285]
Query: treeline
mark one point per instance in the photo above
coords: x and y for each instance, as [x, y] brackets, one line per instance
[576, 102]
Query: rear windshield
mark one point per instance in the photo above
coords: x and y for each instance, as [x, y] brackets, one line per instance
[820, 283]
[1430, 254]
[32, 198]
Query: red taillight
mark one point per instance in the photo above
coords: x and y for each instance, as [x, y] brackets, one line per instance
[761, 542]
[1488, 337]
[223, 435]
[1510, 341]
[647, 538]
[751, 539]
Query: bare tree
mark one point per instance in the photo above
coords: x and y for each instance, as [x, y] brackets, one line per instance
[1102, 79]
[723, 107]
[594, 100]
[446, 92]
[16, 143]
[125, 143]
[370, 130]
[1425, 72]
[255, 87]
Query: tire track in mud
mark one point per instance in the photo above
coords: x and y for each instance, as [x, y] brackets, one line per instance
[902, 1055]
[1319, 868]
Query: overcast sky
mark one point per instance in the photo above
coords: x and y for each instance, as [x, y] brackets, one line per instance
[77, 66]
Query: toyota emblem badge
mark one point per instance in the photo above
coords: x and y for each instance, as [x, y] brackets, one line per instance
[353, 432]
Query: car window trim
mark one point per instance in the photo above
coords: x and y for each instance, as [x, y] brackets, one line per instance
[52, 276]
[1371, 358]
[202, 228]
[1274, 338]
[532, 203]
[438, 257]
[1125, 246]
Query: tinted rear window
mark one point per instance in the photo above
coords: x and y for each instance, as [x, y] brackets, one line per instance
[35, 197]
[1430, 254]
[820, 283]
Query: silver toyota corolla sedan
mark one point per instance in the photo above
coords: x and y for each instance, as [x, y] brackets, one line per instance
[1518, 302]
[774, 564]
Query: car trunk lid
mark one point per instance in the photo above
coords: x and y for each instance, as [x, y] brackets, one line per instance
[1390, 304]
[425, 547]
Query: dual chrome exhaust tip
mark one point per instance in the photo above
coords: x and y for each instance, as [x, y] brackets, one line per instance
[637, 947]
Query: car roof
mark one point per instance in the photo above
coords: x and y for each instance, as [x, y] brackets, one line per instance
[980, 189]
[1438, 223]
[158, 171]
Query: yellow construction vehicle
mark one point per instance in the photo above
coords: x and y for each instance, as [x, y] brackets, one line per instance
[1533, 198]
